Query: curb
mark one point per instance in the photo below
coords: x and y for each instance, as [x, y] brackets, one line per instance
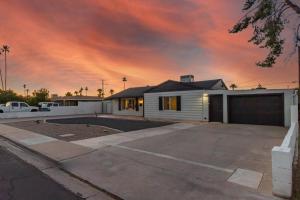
[58, 165]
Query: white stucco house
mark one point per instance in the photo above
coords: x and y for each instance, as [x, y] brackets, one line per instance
[206, 101]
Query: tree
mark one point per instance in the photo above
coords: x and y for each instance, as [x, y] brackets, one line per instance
[41, 95]
[260, 87]
[76, 93]
[5, 50]
[86, 90]
[24, 87]
[100, 93]
[68, 94]
[124, 81]
[80, 91]
[111, 91]
[1, 76]
[268, 19]
[233, 86]
[9, 95]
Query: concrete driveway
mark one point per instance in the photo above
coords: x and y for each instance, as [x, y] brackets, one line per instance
[207, 161]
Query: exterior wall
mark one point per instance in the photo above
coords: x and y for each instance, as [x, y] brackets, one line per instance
[116, 111]
[82, 108]
[194, 106]
[289, 99]
[195, 103]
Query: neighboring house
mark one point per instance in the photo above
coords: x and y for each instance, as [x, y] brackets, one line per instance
[73, 100]
[129, 101]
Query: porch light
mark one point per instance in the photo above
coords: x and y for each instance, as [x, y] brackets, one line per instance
[205, 95]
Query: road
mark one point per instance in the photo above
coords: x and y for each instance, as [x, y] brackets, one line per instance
[21, 181]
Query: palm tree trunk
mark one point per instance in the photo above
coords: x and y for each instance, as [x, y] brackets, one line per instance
[299, 65]
[5, 76]
[1, 79]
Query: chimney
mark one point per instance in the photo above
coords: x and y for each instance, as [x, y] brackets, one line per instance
[187, 78]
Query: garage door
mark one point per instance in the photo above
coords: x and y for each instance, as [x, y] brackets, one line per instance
[256, 109]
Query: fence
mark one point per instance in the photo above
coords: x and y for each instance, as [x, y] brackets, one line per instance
[82, 108]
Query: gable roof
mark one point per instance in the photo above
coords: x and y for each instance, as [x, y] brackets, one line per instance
[131, 92]
[170, 85]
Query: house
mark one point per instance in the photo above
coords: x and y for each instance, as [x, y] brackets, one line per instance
[209, 101]
[129, 101]
[73, 100]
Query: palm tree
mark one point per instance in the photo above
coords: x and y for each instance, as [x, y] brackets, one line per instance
[24, 86]
[1, 77]
[86, 89]
[111, 91]
[233, 86]
[27, 93]
[100, 93]
[5, 50]
[124, 81]
[80, 91]
[76, 93]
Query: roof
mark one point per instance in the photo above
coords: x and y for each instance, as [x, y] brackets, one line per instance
[170, 85]
[131, 92]
[76, 98]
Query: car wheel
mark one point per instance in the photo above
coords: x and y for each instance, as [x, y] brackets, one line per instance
[34, 110]
[1, 111]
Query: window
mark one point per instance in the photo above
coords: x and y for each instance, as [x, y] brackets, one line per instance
[170, 103]
[128, 104]
[14, 104]
[23, 105]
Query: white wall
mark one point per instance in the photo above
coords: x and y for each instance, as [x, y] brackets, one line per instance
[193, 106]
[116, 111]
[82, 108]
[283, 157]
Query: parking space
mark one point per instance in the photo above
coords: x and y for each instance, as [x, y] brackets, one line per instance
[207, 161]
[119, 124]
[72, 129]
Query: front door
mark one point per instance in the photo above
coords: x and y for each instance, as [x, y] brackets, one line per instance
[216, 108]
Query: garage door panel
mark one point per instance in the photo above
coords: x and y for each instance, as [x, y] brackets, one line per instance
[256, 109]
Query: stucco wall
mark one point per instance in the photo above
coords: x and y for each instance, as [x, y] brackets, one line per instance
[116, 111]
[82, 108]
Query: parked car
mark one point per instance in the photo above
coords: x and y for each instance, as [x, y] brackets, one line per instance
[17, 106]
[45, 106]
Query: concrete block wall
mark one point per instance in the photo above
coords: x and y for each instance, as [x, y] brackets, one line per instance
[82, 108]
[283, 157]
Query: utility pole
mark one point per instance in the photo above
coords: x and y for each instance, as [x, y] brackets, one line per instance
[299, 65]
[102, 88]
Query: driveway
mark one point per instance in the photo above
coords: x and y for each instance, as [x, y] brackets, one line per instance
[207, 161]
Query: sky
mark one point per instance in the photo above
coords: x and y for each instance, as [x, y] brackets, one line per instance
[63, 45]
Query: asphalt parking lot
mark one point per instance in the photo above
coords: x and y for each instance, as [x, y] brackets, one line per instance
[72, 129]
[119, 124]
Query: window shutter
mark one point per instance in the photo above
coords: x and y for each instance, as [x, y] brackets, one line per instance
[137, 104]
[119, 103]
[160, 106]
[178, 102]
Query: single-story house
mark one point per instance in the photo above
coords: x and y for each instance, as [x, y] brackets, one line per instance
[73, 100]
[207, 101]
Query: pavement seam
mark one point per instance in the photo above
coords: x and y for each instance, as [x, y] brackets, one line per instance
[175, 159]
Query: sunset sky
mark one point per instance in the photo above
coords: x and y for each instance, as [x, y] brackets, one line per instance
[65, 44]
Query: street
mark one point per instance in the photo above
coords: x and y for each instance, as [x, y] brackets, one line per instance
[21, 181]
